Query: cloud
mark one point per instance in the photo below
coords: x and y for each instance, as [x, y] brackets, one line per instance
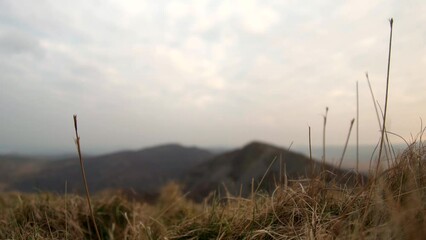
[256, 18]
[358, 10]
[168, 68]
[15, 43]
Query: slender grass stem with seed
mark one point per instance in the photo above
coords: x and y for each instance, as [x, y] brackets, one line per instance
[386, 97]
[83, 173]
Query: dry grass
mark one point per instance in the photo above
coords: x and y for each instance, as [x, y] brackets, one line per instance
[301, 210]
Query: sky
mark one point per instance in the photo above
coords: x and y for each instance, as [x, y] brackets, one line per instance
[205, 72]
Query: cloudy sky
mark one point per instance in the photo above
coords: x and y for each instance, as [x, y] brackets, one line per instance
[204, 72]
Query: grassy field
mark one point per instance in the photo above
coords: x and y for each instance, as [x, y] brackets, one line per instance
[391, 205]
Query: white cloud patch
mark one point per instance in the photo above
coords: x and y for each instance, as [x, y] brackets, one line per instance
[256, 18]
[356, 10]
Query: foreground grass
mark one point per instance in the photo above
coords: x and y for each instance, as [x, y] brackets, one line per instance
[390, 206]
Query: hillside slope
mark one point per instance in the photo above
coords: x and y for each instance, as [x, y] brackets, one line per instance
[144, 171]
[15, 167]
[234, 171]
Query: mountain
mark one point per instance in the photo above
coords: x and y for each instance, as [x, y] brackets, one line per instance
[233, 172]
[144, 171]
[13, 167]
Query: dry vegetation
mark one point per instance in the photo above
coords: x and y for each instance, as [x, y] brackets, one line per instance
[390, 206]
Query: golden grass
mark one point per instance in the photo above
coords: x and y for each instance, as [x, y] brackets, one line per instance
[301, 210]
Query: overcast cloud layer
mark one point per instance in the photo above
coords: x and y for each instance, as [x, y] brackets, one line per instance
[204, 72]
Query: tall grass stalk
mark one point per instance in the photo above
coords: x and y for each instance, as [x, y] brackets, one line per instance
[386, 98]
[266, 173]
[387, 145]
[310, 154]
[66, 210]
[346, 144]
[83, 173]
[281, 169]
[357, 128]
[375, 183]
[375, 103]
[323, 138]
[377, 115]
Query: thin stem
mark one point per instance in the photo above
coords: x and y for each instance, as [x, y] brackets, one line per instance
[310, 153]
[323, 138]
[346, 144]
[372, 187]
[66, 211]
[83, 173]
[386, 97]
[357, 128]
[374, 100]
[281, 168]
[387, 146]
[375, 103]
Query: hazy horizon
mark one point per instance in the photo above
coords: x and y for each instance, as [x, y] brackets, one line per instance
[204, 72]
[333, 152]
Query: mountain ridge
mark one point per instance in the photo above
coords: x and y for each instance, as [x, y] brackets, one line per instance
[145, 171]
[258, 163]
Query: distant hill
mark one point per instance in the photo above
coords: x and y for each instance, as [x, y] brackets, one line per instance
[144, 171]
[234, 171]
[15, 167]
